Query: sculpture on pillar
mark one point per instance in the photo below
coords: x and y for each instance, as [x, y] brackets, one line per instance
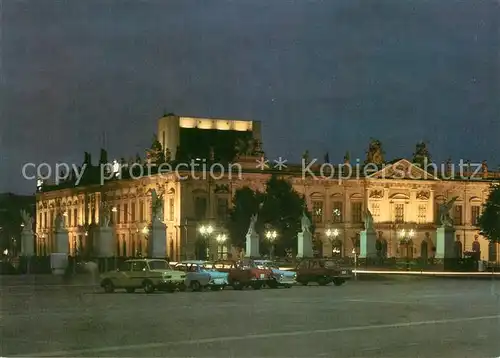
[306, 157]
[156, 205]
[105, 212]
[368, 220]
[305, 223]
[59, 221]
[27, 220]
[251, 228]
[484, 168]
[444, 212]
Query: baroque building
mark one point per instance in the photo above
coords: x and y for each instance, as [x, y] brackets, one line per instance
[401, 196]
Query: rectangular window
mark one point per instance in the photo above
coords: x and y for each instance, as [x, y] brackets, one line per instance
[45, 219]
[141, 211]
[125, 213]
[75, 217]
[422, 213]
[132, 211]
[375, 209]
[200, 208]
[117, 214]
[317, 207]
[171, 209]
[356, 212]
[475, 212]
[337, 209]
[222, 208]
[457, 215]
[399, 213]
[40, 222]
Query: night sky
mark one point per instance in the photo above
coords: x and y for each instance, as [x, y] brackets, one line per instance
[320, 75]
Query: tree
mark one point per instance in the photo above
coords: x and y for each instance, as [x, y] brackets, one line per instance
[489, 221]
[421, 157]
[245, 203]
[155, 154]
[280, 208]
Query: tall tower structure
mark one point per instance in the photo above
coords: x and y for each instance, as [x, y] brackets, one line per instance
[176, 132]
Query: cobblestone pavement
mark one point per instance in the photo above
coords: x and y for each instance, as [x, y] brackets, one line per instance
[408, 318]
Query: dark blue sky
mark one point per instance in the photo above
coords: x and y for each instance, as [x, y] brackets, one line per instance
[320, 75]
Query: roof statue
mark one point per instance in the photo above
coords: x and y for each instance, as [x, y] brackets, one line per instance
[156, 205]
[305, 223]
[444, 212]
[251, 228]
[368, 220]
[27, 220]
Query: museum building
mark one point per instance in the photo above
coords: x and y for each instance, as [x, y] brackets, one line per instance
[403, 199]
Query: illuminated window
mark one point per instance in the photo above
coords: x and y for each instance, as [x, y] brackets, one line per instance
[475, 213]
[317, 207]
[375, 209]
[399, 213]
[356, 212]
[132, 211]
[222, 208]
[458, 215]
[171, 205]
[337, 209]
[422, 213]
[141, 211]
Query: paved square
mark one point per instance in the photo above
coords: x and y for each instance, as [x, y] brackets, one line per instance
[398, 318]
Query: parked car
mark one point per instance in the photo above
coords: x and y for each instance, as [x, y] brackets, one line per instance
[149, 274]
[322, 271]
[201, 274]
[244, 273]
[281, 278]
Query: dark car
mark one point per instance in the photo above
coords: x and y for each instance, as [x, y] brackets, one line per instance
[322, 271]
[244, 273]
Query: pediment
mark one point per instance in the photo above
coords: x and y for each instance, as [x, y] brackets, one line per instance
[404, 170]
[399, 196]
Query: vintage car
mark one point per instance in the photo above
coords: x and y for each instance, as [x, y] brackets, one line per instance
[322, 271]
[244, 273]
[148, 274]
[201, 274]
[282, 278]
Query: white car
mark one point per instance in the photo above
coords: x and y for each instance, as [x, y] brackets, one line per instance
[201, 274]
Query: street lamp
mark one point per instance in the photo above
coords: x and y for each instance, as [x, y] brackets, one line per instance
[206, 231]
[332, 237]
[271, 235]
[405, 237]
[355, 263]
[221, 239]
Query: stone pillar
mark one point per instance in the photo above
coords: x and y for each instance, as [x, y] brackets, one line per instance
[105, 242]
[368, 240]
[27, 242]
[59, 255]
[445, 243]
[304, 245]
[158, 240]
[252, 245]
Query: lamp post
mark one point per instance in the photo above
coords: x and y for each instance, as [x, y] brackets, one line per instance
[332, 237]
[206, 231]
[271, 235]
[405, 238]
[221, 239]
[355, 263]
